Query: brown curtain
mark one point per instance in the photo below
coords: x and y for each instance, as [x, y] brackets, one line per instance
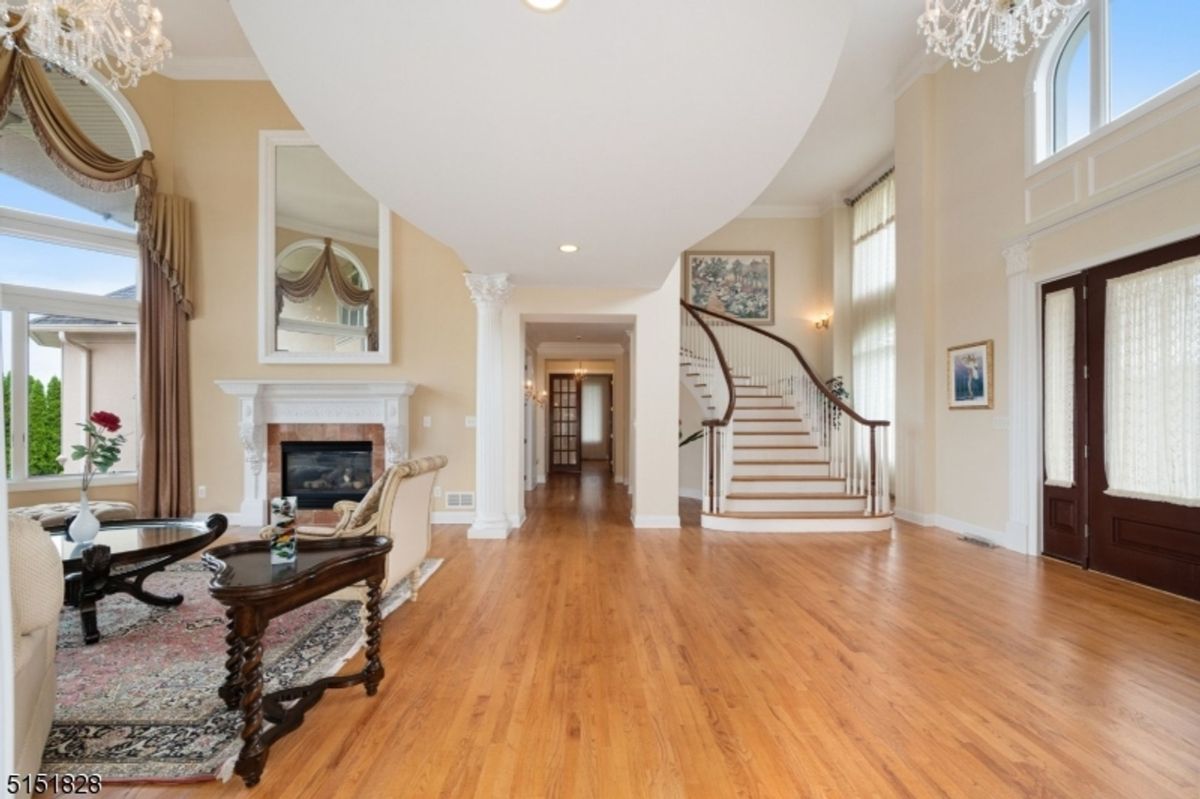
[165, 484]
[164, 238]
[309, 283]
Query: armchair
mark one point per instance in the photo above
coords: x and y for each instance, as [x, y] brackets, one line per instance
[396, 507]
[36, 581]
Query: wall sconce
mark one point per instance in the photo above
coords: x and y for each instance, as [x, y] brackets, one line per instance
[822, 323]
[532, 395]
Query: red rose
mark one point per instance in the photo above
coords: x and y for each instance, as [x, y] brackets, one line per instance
[109, 421]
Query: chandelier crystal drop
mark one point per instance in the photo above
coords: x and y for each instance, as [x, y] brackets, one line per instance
[121, 40]
[971, 33]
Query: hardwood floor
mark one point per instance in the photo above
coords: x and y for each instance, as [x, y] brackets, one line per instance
[583, 659]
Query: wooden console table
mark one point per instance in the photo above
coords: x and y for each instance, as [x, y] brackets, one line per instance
[254, 591]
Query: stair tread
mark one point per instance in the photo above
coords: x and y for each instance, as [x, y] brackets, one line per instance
[776, 446]
[768, 433]
[776, 478]
[793, 495]
[831, 514]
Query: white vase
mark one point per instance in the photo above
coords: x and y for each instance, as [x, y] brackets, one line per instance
[85, 525]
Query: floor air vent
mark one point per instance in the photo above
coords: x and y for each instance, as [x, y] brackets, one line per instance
[460, 500]
[977, 541]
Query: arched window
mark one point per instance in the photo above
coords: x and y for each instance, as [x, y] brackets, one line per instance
[1111, 58]
[68, 292]
[323, 321]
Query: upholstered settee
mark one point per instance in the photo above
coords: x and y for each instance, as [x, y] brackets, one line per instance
[397, 506]
[56, 514]
[37, 595]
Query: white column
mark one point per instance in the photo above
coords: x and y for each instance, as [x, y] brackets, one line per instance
[1023, 397]
[489, 293]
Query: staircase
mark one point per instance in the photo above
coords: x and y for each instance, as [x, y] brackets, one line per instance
[782, 454]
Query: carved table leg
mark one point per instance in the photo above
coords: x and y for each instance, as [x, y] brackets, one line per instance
[231, 691]
[254, 751]
[373, 669]
[96, 561]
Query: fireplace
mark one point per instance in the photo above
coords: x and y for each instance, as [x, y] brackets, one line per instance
[320, 473]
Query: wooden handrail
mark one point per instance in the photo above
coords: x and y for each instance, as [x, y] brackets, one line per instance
[696, 310]
[724, 421]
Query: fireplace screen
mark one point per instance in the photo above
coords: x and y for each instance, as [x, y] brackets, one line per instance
[320, 473]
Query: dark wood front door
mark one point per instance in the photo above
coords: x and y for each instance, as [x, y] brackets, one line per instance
[1151, 542]
[565, 448]
[1064, 371]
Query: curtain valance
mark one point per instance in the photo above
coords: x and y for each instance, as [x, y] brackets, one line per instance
[303, 288]
[65, 143]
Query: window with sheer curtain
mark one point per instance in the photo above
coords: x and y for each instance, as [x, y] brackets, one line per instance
[593, 412]
[873, 293]
[1059, 388]
[1152, 384]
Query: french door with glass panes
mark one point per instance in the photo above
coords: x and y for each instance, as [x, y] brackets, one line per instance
[1121, 418]
[565, 441]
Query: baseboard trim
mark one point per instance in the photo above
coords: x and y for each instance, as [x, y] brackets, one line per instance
[975, 531]
[912, 517]
[452, 517]
[648, 522]
[691, 493]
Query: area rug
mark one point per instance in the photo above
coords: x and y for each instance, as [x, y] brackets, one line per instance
[142, 705]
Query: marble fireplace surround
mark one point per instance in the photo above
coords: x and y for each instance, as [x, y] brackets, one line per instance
[311, 402]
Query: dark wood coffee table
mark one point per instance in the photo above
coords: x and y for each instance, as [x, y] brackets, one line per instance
[254, 591]
[123, 555]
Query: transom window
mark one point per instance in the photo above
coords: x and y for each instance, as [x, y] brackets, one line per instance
[1113, 57]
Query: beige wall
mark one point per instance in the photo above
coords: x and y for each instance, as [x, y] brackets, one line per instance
[803, 279]
[963, 196]
[691, 457]
[205, 137]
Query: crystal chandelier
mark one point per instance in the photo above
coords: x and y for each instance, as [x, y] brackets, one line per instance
[971, 33]
[122, 40]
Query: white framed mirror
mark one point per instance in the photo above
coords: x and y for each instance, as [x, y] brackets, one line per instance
[325, 259]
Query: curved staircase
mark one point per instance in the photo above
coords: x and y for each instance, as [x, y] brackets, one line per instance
[782, 454]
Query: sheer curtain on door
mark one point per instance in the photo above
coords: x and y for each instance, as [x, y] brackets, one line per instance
[1152, 384]
[873, 293]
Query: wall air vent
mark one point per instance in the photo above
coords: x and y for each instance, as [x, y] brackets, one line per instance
[460, 500]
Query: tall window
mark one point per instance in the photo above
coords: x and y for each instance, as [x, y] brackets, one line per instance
[1114, 57]
[68, 295]
[873, 293]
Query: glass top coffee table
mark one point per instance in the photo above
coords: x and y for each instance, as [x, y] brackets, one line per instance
[123, 555]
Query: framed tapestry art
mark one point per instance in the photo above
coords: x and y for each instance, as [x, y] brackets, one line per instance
[970, 374]
[738, 284]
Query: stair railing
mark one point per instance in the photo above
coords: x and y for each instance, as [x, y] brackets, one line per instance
[855, 447]
[699, 346]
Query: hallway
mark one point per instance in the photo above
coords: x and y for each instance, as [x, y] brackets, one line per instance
[582, 658]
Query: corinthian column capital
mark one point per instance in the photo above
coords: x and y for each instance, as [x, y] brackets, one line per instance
[489, 290]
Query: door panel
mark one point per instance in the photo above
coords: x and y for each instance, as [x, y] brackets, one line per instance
[1156, 543]
[1064, 370]
[564, 438]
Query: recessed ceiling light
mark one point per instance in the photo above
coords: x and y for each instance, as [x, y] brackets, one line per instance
[568, 248]
[545, 5]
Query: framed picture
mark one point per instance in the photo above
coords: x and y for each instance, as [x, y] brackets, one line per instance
[970, 370]
[739, 284]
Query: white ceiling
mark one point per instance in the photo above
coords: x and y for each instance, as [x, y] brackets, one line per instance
[850, 138]
[632, 129]
[854, 132]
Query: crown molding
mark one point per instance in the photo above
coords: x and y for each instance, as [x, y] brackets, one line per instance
[202, 68]
[781, 212]
[320, 231]
[922, 64]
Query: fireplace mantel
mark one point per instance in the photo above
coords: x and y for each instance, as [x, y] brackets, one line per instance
[264, 402]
